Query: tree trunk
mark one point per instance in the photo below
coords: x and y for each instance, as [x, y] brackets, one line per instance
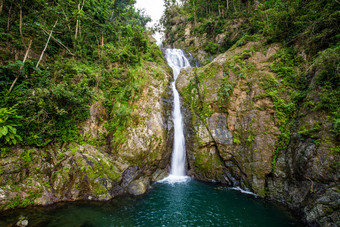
[78, 28]
[1, 5]
[193, 2]
[26, 55]
[20, 28]
[82, 5]
[75, 35]
[48, 40]
[81, 9]
[9, 17]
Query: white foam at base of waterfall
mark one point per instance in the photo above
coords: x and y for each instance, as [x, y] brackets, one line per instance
[172, 179]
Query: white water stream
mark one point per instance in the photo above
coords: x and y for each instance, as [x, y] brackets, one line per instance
[177, 60]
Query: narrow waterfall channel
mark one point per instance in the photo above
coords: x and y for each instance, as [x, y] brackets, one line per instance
[177, 60]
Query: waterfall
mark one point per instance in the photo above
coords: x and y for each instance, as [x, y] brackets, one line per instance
[176, 60]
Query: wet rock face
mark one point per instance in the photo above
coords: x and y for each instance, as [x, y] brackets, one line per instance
[233, 129]
[68, 172]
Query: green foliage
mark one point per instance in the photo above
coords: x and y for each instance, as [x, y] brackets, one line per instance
[326, 87]
[330, 99]
[309, 131]
[9, 122]
[195, 93]
[57, 107]
[313, 24]
[208, 164]
[335, 150]
[110, 45]
[224, 93]
[211, 47]
[23, 202]
[284, 94]
[286, 67]
[247, 38]
[15, 202]
[26, 156]
[327, 65]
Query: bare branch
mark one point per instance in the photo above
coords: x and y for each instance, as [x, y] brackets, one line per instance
[20, 28]
[76, 32]
[48, 40]
[9, 17]
[58, 42]
[26, 55]
[1, 5]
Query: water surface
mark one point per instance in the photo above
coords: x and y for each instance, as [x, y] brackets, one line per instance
[180, 204]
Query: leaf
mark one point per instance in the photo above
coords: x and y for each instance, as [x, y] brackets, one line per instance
[12, 129]
[4, 130]
[18, 137]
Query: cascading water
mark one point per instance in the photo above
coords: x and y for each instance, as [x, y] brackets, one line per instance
[177, 60]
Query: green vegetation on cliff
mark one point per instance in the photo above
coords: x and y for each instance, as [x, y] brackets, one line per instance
[307, 66]
[267, 98]
[81, 85]
[77, 52]
[313, 24]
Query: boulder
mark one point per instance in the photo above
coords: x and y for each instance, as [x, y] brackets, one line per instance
[139, 186]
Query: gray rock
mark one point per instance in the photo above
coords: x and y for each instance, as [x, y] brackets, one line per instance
[217, 125]
[22, 222]
[129, 175]
[139, 186]
[159, 174]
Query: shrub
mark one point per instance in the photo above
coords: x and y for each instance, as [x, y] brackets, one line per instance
[211, 47]
[9, 121]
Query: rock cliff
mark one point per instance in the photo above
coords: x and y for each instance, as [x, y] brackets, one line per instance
[96, 168]
[247, 127]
